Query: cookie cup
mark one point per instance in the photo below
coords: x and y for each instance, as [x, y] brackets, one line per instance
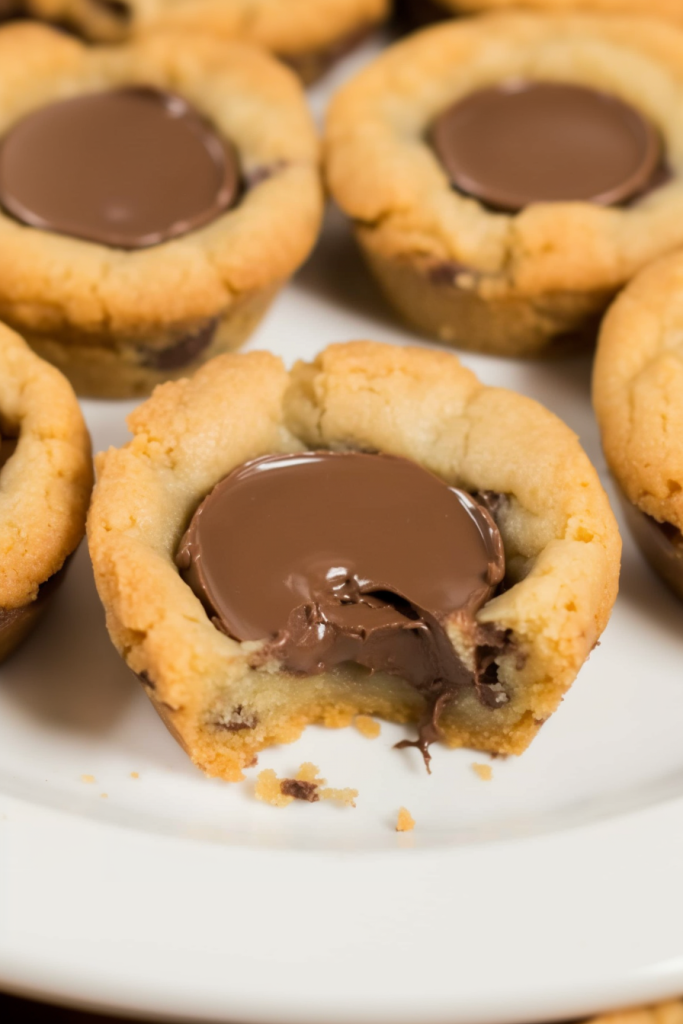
[309, 34]
[218, 697]
[638, 399]
[118, 322]
[513, 284]
[45, 485]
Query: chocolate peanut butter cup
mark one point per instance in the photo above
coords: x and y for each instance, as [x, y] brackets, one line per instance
[46, 479]
[638, 399]
[370, 533]
[524, 174]
[309, 35]
[153, 199]
[126, 168]
[525, 142]
[335, 557]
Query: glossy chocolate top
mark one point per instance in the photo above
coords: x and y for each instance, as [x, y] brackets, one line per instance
[127, 168]
[529, 142]
[337, 557]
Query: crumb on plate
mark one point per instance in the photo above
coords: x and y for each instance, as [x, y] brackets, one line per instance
[484, 771]
[406, 822]
[367, 726]
[134, 775]
[306, 785]
[88, 779]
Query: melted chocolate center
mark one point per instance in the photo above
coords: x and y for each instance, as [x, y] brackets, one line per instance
[127, 168]
[338, 557]
[529, 142]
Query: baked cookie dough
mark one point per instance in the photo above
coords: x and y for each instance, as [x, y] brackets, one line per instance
[487, 225]
[45, 485]
[122, 272]
[424, 12]
[638, 398]
[310, 35]
[224, 699]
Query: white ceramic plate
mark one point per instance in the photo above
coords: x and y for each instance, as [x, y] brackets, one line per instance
[552, 891]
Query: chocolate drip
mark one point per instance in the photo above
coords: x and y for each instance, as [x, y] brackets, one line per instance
[524, 142]
[350, 557]
[127, 168]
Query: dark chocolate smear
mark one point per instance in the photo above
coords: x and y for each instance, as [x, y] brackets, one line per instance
[411, 14]
[347, 557]
[524, 142]
[184, 351]
[128, 168]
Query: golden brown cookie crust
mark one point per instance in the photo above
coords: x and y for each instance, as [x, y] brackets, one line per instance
[507, 283]
[45, 486]
[638, 390]
[290, 28]
[108, 316]
[214, 694]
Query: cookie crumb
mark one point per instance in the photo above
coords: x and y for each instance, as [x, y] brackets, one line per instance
[306, 785]
[104, 796]
[89, 779]
[134, 775]
[367, 726]
[406, 822]
[268, 789]
[484, 771]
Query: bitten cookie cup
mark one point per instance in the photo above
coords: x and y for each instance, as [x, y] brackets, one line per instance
[45, 485]
[462, 271]
[310, 35]
[117, 321]
[221, 699]
[638, 398]
[422, 12]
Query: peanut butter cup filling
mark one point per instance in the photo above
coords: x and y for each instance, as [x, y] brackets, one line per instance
[127, 168]
[350, 557]
[524, 142]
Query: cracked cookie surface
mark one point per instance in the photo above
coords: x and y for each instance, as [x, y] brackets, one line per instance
[118, 322]
[510, 283]
[216, 695]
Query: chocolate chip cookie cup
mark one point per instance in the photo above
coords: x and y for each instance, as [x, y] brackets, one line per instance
[375, 532]
[309, 35]
[638, 399]
[506, 174]
[417, 13]
[153, 199]
[45, 484]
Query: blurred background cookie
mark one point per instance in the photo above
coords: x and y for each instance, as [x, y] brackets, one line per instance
[153, 199]
[507, 174]
[310, 35]
[46, 479]
[638, 398]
